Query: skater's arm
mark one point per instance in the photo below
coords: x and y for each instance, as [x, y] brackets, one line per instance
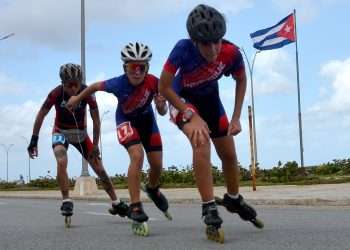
[241, 85]
[74, 100]
[196, 128]
[165, 89]
[33, 145]
[95, 116]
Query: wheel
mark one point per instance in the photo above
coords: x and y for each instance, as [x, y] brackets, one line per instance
[140, 229]
[67, 221]
[215, 234]
[258, 223]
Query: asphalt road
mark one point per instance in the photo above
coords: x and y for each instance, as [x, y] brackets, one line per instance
[37, 224]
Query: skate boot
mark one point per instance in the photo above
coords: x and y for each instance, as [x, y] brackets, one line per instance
[158, 199]
[244, 210]
[120, 209]
[67, 212]
[211, 218]
[139, 217]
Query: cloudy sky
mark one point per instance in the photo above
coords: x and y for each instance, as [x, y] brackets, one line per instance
[47, 34]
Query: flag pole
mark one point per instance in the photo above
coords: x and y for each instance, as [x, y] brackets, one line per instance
[298, 84]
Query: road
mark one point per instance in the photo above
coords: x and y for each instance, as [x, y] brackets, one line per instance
[37, 224]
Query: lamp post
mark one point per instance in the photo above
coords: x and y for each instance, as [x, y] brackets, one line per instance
[27, 141]
[251, 70]
[7, 36]
[103, 114]
[7, 149]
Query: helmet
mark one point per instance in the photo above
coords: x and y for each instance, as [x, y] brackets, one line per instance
[71, 72]
[205, 24]
[136, 52]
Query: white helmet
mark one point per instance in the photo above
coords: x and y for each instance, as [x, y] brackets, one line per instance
[136, 52]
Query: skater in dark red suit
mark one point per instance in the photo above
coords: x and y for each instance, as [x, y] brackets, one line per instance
[70, 129]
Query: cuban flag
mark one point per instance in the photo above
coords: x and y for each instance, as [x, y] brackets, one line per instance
[276, 36]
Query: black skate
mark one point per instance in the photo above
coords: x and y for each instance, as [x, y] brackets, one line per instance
[139, 225]
[67, 212]
[244, 210]
[213, 221]
[158, 198]
[120, 209]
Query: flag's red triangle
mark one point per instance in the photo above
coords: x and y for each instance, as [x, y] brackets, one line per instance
[287, 30]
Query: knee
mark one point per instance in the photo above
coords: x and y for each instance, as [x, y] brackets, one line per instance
[202, 152]
[136, 159]
[229, 157]
[62, 164]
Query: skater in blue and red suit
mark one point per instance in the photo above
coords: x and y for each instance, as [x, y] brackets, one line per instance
[189, 82]
[137, 129]
[70, 129]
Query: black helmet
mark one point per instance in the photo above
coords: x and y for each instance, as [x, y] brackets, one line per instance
[71, 72]
[205, 24]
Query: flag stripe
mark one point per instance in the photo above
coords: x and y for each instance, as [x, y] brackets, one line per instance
[275, 36]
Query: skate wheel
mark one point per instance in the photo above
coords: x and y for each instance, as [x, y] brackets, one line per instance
[67, 221]
[140, 229]
[219, 201]
[168, 215]
[215, 234]
[258, 223]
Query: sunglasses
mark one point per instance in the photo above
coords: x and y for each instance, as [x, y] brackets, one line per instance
[136, 68]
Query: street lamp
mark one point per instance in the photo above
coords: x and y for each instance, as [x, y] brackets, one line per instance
[103, 114]
[251, 68]
[27, 141]
[7, 149]
[7, 36]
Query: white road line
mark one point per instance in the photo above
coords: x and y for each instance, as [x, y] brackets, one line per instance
[105, 214]
[99, 204]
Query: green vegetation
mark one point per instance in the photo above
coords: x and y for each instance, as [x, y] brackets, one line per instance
[337, 171]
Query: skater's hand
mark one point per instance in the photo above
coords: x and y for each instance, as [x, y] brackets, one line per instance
[95, 153]
[234, 127]
[197, 131]
[160, 102]
[72, 103]
[33, 147]
[33, 152]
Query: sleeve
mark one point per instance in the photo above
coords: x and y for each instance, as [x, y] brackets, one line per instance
[175, 59]
[110, 85]
[237, 69]
[51, 99]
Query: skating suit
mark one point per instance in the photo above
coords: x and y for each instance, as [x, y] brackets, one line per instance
[67, 129]
[134, 116]
[196, 81]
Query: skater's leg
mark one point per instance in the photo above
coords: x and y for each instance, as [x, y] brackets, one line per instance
[98, 168]
[152, 187]
[136, 155]
[202, 169]
[155, 161]
[226, 151]
[61, 158]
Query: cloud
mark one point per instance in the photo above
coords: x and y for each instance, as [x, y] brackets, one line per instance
[57, 24]
[9, 86]
[273, 73]
[337, 75]
[307, 10]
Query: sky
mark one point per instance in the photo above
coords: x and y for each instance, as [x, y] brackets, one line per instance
[47, 35]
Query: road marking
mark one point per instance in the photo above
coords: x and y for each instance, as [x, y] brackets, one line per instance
[99, 204]
[106, 214]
